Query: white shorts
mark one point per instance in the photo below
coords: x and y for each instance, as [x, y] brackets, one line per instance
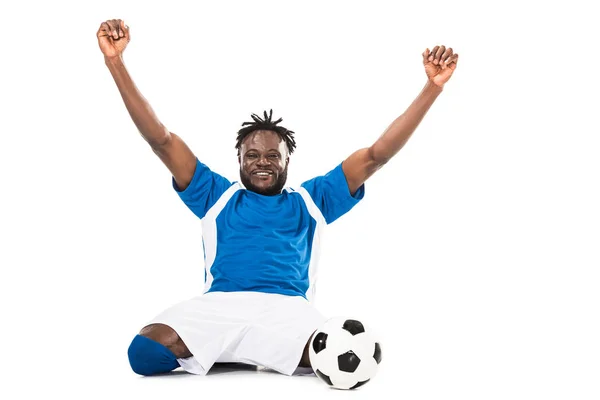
[263, 329]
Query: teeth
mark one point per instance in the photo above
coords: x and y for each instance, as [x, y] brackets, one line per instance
[263, 173]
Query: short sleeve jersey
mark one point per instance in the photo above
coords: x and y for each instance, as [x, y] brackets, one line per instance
[263, 243]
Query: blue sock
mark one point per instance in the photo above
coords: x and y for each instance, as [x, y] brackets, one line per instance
[148, 357]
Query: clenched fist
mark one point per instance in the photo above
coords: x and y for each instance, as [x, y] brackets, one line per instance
[113, 37]
[439, 64]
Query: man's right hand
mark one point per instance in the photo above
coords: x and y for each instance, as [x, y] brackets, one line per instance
[113, 37]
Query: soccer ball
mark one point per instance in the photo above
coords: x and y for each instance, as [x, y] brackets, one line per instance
[344, 354]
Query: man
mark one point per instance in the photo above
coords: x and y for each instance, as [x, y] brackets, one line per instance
[260, 240]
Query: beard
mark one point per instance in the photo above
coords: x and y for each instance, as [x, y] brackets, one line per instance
[271, 190]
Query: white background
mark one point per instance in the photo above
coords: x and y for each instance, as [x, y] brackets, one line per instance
[474, 253]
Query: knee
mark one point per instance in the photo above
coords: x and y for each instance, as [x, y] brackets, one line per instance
[160, 333]
[166, 336]
[148, 357]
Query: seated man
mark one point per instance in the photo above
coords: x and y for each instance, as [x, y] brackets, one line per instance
[261, 240]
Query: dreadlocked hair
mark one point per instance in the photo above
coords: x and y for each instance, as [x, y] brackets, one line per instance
[266, 124]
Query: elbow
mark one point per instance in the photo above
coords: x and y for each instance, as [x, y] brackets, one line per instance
[160, 139]
[378, 156]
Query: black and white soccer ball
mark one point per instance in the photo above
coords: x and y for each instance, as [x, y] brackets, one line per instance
[344, 354]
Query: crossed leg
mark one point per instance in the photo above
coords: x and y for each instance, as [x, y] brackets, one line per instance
[157, 347]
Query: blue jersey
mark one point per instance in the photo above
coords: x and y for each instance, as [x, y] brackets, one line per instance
[263, 243]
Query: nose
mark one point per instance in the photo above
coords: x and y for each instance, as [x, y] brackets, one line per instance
[263, 161]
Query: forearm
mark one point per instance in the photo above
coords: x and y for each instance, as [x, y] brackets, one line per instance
[139, 109]
[398, 133]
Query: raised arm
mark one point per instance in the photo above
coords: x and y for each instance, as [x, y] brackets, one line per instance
[113, 37]
[439, 64]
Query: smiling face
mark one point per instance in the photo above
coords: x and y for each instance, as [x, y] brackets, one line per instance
[263, 162]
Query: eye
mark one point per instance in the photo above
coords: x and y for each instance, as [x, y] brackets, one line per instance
[273, 155]
[252, 155]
